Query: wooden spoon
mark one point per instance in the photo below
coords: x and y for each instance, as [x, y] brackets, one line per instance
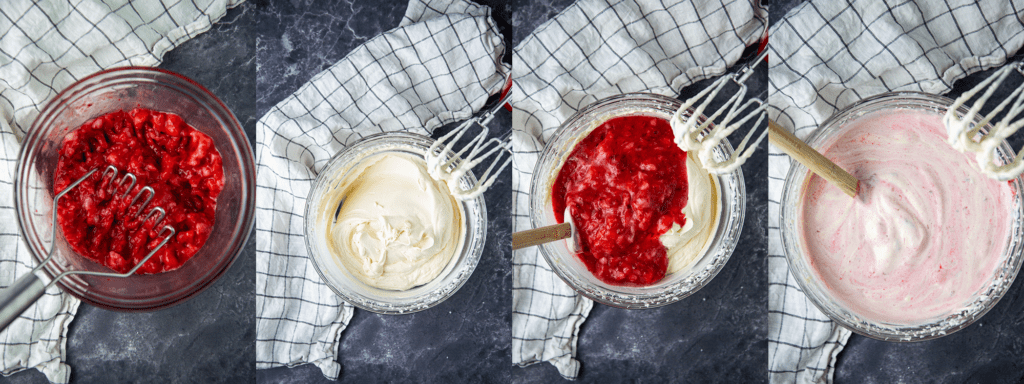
[811, 159]
[538, 236]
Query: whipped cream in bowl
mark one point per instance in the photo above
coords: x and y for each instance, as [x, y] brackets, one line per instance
[383, 234]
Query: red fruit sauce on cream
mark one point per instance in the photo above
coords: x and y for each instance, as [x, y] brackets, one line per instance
[180, 163]
[625, 185]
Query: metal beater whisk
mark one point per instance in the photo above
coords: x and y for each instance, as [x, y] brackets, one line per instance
[965, 135]
[26, 290]
[696, 135]
[480, 149]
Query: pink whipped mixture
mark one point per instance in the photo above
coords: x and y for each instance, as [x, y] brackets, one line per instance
[925, 233]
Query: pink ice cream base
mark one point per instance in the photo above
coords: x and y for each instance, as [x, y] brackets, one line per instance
[943, 225]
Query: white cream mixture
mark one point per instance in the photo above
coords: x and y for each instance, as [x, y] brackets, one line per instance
[397, 227]
[688, 243]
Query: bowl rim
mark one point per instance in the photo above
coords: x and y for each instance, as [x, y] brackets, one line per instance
[792, 245]
[247, 170]
[727, 234]
[462, 273]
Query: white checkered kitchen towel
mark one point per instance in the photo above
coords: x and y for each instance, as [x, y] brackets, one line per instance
[591, 50]
[438, 66]
[824, 56]
[46, 46]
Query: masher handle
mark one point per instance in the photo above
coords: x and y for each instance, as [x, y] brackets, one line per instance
[18, 297]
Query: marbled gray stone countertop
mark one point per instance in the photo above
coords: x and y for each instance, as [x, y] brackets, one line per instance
[530, 14]
[298, 39]
[715, 335]
[208, 338]
[988, 351]
[467, 338]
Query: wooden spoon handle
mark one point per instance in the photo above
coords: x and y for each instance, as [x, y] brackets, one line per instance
[811, 159]
[531, 237]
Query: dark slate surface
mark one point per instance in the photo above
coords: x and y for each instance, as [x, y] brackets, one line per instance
[209, 338]
[717, 334]
[988, 351]
[467, 337]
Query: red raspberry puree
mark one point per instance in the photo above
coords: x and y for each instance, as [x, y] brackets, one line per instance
[625, 184]
[180, 163]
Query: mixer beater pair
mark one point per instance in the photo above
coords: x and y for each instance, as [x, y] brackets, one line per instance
[965, 135]
[452, 168]
[703, 135]
[697, 134]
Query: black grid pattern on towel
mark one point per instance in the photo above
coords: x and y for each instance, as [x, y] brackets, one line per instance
[591, 50]
[818, 67]
[44, 47]
[413, 78]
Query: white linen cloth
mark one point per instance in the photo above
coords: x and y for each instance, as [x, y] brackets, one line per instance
[439, 65]
[46, 46]
[591, 50]
[826, 55]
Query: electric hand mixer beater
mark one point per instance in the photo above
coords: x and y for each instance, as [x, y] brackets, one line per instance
[704, 135]
[452, 168]
[966, 136]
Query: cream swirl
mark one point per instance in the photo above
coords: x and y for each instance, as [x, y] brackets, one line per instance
[396, 227]
[688, 243]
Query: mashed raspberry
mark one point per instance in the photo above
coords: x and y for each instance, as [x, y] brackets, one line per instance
[180, 163]
[625, 185]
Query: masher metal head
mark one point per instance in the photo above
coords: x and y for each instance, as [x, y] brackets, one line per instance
[26, 290]
[965, 135]
[704, 135]
[107, 181]
[452, 168]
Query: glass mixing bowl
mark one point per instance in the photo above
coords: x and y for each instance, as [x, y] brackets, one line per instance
[350, 288]
[673, 287]
[125, 89]
[819, 293]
